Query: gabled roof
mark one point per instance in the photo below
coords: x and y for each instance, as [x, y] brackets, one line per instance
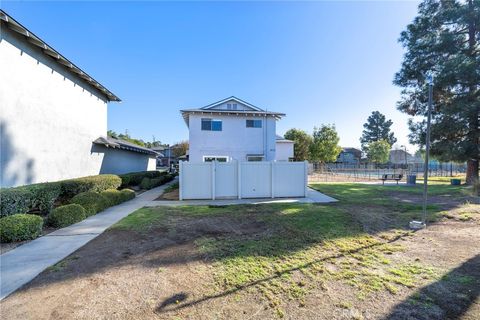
[210, 110]
[232, 98]
[15, 26]
[110, 142]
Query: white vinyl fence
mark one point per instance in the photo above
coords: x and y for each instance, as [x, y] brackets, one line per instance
[237, 180]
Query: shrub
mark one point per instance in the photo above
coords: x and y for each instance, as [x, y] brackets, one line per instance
[92, 202]
[135, 178]
[146, 183]
[18, 227]
[44, 195]
[40, 196]
[66, 215]
[14, 200]
[113, 196]
[127, 194]
[98, 183]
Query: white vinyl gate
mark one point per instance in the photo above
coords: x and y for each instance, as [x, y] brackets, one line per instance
[236, 180]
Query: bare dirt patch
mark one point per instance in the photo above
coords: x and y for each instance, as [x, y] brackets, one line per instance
[163, 273]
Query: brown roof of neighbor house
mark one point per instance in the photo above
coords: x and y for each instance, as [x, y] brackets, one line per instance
[110, 142]
[15, 26]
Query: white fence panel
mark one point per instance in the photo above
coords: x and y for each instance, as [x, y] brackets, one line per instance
[226, 183]
[256, 179]
[289, 179]
[196, 180]
[217, 180]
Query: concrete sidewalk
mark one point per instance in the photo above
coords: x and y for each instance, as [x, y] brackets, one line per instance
[313, 196]
[20, 265]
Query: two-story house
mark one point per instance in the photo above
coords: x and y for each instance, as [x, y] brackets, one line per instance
[232, 129]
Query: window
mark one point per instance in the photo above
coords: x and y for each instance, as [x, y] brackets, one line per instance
[234, 106]
[254, 158]
[211, 124]
[229, 106]
[254, 123]
[214, 158]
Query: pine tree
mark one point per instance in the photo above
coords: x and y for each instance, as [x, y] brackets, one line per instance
[377, 128]
[444, 40]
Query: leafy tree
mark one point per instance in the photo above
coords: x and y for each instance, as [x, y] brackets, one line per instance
[325, 146]
[375, 129]
[126, 137]
[378, 151]
[444, 40]
[180, 148]
[301, 148]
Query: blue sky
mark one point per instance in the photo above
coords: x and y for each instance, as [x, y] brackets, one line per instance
[319, 62]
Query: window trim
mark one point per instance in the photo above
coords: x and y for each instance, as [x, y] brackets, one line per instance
[216, 157]
[211, 120]
[253, 123]
[261, 156]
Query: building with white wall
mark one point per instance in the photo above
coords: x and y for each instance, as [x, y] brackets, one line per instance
[232, 129]
[51, 112]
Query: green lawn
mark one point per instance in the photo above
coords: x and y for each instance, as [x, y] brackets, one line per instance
[292, 249]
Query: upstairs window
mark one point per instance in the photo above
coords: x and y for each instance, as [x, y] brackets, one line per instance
[254, 123]
[229, 106]
[234, 106]
[211, 124]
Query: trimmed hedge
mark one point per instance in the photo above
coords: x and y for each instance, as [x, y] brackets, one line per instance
[113, 196]
[42, 196]
[135, 178]
[14, 200]
[66, 215]
[98, 183]
[18, 227]
[92, 202]
[148, 183]
[127, 194]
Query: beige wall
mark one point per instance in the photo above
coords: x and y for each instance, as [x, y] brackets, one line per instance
[48, 117]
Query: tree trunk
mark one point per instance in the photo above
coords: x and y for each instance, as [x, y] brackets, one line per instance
[472, 172]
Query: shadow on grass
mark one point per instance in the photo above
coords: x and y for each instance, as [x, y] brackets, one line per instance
[156, 237]
[448, 298]
[166, 305]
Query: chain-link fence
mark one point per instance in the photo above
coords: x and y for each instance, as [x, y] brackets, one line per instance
[335, 172]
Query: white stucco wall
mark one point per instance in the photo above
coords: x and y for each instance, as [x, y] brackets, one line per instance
[235, 140]
[284, 150]
[119, 161]
[48, 117]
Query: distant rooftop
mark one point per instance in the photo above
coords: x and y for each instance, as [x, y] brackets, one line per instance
[110, 142]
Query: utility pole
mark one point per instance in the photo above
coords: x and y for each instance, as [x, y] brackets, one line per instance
[423, 223]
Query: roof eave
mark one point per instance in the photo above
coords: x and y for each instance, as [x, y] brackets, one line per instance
[47, 50]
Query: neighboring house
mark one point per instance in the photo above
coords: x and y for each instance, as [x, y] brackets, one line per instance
[122, 156]
[232, 129]
[349, 156]
[51, 112]
[283, 149]
[399, 156]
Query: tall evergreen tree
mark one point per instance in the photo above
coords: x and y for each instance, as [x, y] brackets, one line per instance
[377, 128]
[444, 40]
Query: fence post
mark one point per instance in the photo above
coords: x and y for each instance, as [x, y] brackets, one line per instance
[239, 177]
[272, 179]
[213, 179]
[306, 177]
[180, 182]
